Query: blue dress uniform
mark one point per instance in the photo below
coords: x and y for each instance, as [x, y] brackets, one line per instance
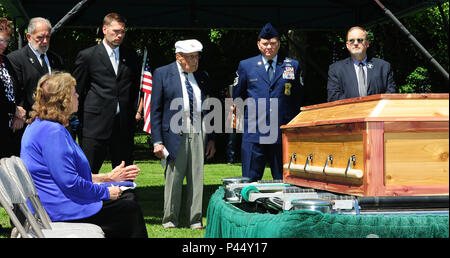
[281, 98]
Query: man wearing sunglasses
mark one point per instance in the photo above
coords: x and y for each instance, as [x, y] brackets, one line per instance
[359, 75]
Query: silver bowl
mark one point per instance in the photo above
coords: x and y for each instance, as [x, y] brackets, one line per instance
[324, 206]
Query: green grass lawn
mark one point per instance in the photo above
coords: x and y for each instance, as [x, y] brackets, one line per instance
[150, 193]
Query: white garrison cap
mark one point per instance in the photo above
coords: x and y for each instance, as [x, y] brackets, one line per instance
[188, 46]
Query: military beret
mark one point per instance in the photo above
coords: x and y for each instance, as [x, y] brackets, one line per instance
[268, 32]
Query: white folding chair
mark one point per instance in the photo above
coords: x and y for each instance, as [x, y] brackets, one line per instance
[43, 228]
[16, 166]
[7, 204]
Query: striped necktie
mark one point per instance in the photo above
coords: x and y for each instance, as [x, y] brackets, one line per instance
[190, 92]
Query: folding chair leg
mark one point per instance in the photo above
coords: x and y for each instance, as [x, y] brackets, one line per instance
[21, 230]
[14, 233]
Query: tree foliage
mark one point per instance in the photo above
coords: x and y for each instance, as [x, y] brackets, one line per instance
[316, 50]
[224, 48]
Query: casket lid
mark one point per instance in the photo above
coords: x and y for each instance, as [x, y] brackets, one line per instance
[381, 107]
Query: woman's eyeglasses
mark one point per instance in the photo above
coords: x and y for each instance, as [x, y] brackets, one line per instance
[4, 41]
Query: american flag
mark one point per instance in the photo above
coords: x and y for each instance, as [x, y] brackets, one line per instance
[146, 88]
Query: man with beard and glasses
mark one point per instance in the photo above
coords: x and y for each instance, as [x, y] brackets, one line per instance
[359, 75]
[30, 63]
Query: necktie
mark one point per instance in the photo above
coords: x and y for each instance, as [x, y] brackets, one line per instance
[114, 61]
[190, 92]
[113, 57]
[270, 71]
[43, 63]
[362, 86]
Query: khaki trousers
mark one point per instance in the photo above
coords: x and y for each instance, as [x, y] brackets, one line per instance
[188, 163]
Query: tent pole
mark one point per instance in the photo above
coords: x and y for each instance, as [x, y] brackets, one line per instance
[69, 15]
[414, 41]
[18, 33]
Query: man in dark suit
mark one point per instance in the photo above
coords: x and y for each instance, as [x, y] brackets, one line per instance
[31, 62]
[107, 77]
[359, 75]
[178, 92]
[273, 86]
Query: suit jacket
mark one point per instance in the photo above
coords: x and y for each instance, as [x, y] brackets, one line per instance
[343, 82]
[167, 87]
[100, 89]
[286, 87]
[29, 71]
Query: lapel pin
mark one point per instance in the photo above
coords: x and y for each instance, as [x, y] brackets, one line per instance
[370, 65]
[259, 63]
[31, 60]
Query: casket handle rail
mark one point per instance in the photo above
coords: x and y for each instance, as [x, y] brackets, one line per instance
[327, 169]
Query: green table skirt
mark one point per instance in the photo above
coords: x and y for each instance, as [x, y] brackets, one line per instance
[224, 220]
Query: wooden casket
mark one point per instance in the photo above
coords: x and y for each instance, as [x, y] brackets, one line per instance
[379, 145]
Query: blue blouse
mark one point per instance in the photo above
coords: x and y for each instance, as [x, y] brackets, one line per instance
[61, 172]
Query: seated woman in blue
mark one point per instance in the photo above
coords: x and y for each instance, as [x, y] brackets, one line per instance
[61, 171]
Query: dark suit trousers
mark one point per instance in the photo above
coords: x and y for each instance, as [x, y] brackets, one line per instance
[120, 146]
[120, 218]
[6, 142]
[255, 156]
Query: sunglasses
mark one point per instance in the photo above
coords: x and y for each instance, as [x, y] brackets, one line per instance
[352, 41]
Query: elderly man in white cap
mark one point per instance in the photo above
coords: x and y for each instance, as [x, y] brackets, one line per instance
[179, 88]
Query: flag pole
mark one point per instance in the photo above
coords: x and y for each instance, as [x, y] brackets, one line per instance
[142, 77]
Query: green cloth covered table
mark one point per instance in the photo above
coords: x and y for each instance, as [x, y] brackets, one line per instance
[224, 220]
